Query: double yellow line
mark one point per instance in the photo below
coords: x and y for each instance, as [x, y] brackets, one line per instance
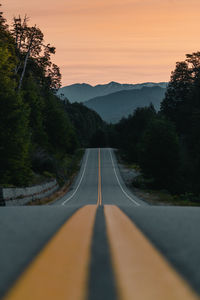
[99, 201]
[141, 272]
[61, 271]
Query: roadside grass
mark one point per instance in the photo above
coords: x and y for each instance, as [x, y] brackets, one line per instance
[70, 168]
[140, 187]
[160, 197]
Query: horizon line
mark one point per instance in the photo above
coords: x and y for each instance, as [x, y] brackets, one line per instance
[109, 82]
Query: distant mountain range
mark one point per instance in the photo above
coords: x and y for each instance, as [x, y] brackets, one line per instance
[83, 92]
[114, 106]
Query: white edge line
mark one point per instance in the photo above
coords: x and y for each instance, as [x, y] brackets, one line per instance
[79, 181]
[136, 203]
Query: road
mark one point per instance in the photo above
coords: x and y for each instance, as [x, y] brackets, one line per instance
[113, 189]
[99, 241]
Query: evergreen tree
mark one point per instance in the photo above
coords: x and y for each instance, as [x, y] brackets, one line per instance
[159, 153]
[59, 129]
[131, 129]
[33, 122]
[85, 121]
[33, 98]
[177, 94]
[14, 129]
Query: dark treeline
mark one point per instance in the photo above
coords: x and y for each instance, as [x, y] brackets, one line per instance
[166, 145]
[149, 140]
[87, 123]
[39, 134]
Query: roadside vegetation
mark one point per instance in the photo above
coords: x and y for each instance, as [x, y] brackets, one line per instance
[71, 168]
[166, 145]
[39, 134]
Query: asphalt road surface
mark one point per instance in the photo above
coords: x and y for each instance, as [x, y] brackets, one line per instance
[85, 189]
[99, 241]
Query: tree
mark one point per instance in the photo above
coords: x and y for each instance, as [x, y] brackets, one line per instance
[14, 129]
[48, 73]
[159, 153]
[99, 139]
[36, 134]
[178, 92]
[34, 99]
[30, 47]
[131, 129]
[3, 25]
[182, 106]
[85, 121]
[59, 129]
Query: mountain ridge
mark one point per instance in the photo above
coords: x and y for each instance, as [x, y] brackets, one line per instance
[81, 92]
[117, 105]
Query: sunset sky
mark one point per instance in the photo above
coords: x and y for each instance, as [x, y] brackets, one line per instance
[128, 41]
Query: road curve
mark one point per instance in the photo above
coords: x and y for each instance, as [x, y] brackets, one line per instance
[98, 242]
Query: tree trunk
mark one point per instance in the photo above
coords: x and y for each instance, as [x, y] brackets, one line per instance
[25, 62]
[24, 69]
[17, 68]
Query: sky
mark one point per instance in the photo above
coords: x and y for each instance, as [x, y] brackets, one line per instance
[128, 41]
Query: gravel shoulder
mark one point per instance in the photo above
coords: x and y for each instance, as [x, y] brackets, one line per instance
[152, 197]
[128, 176]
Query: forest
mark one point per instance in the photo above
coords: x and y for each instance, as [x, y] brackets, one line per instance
[39, 134]
[166, 145]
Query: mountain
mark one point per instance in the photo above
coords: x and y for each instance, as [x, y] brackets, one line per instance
[114, 106]
[83, 92]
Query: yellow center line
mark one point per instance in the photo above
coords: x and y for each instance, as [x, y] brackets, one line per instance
[61, 269]
[99, 201]
[141, 271]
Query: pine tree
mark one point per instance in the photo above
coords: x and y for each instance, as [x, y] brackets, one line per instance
[177, 94]
[159, 153]
[14, 129]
